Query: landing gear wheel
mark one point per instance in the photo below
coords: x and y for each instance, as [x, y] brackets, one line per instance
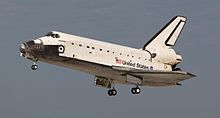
[135, 90]
[112, 92]
[34, 67]
[138, 90]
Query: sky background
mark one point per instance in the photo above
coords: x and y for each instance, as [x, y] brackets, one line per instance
[56, 92]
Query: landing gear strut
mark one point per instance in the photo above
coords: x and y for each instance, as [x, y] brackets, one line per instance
[112, 92]
[135, 90]
[34, 66]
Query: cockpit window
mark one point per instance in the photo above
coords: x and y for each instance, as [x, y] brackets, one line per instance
[51, 34]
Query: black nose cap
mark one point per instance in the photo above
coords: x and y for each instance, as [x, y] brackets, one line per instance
[22, 48]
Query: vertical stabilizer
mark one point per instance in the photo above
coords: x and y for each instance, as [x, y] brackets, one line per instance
[168, 35]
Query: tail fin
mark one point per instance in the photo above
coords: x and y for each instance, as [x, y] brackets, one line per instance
[168, 35]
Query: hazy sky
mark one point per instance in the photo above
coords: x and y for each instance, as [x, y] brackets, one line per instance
[56, 92]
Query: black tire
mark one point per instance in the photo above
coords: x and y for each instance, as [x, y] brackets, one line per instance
[114, 92]
[34, 67]
[133, 91]
[110, 92]
[138, 90]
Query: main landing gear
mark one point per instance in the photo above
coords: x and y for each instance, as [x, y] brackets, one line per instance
[135, 90]
[112, 92]
[34, 66]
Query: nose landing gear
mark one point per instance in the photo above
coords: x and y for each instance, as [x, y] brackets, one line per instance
[34, 66]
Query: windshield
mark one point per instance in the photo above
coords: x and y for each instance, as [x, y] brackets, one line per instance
[51, 34]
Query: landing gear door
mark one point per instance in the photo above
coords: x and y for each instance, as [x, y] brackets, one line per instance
[133, 80]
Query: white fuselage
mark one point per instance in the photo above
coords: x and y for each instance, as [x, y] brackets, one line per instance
[95, 57]
[103, 53]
